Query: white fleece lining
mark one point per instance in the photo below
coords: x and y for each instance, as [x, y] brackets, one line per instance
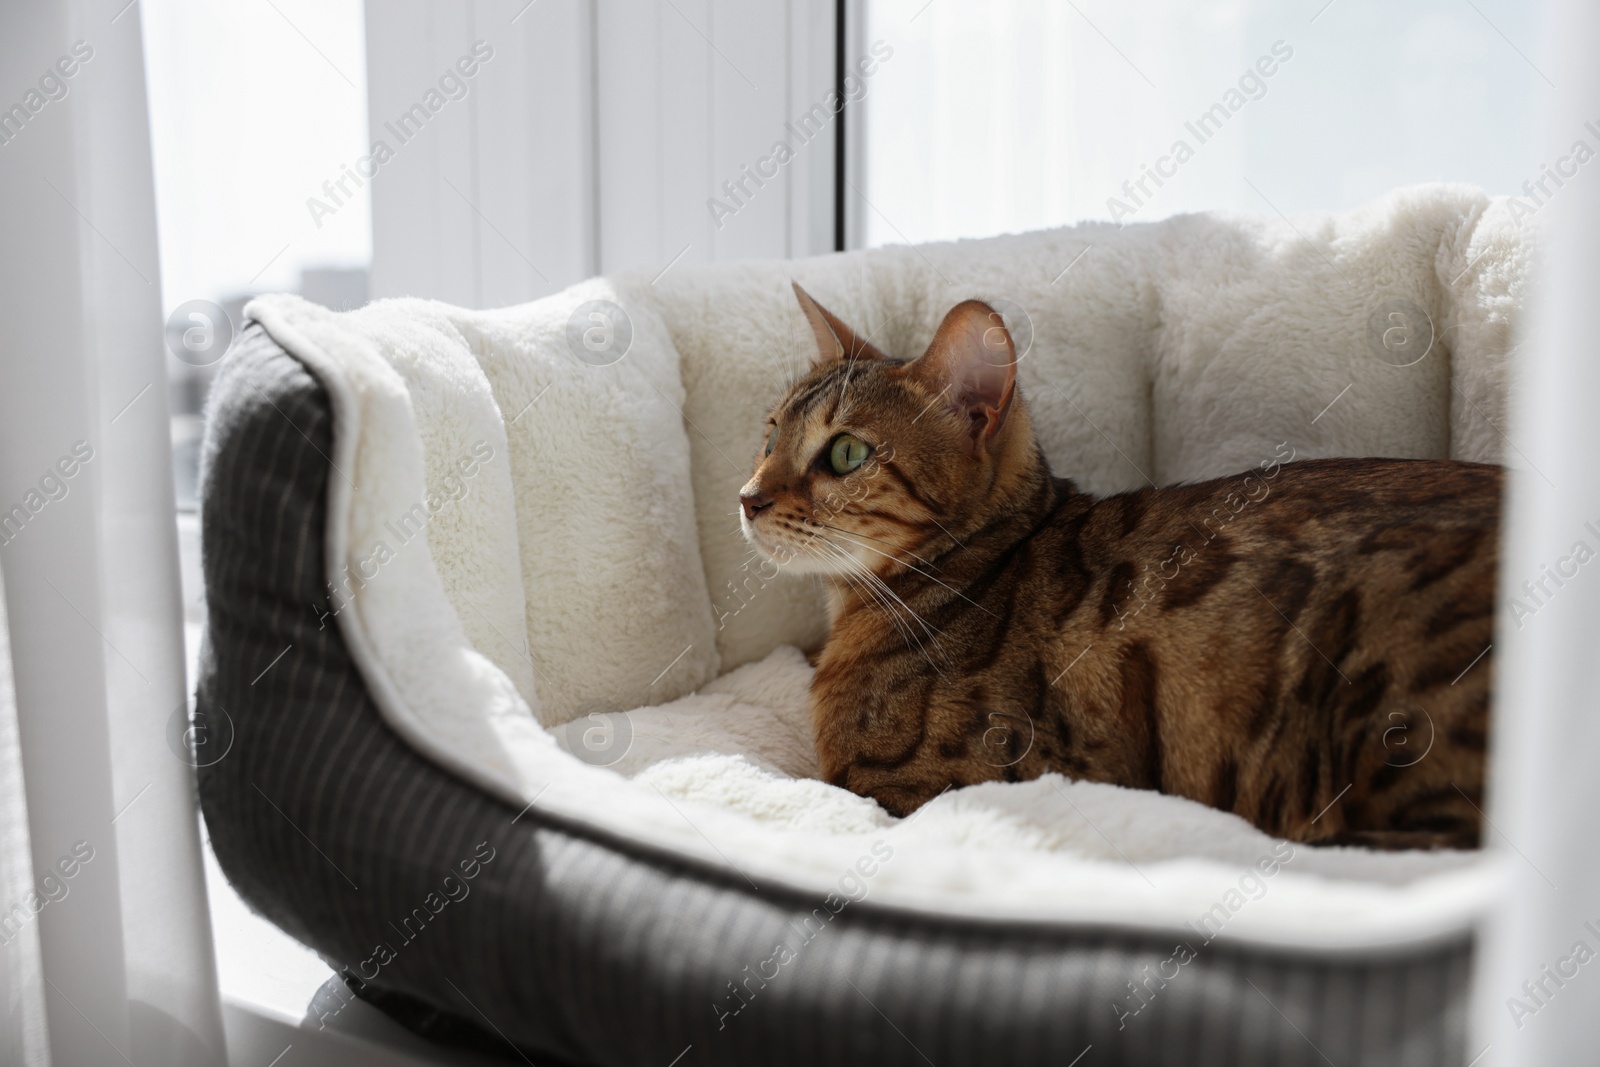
[1031, 851]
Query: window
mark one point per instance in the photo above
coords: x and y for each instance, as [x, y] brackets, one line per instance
[255, 111]
[1023, 114]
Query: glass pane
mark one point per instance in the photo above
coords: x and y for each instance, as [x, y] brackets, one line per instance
[1004, 115]
[258, 112]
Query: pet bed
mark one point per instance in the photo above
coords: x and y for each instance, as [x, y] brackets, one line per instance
[506, 721]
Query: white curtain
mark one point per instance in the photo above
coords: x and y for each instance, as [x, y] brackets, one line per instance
[22, 1036]
[1535, 1006]
[122, 970]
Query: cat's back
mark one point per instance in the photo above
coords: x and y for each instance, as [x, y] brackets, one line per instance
[1293, 566]
[1319, 507]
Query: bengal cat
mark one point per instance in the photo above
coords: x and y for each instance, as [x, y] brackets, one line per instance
[1304, 644]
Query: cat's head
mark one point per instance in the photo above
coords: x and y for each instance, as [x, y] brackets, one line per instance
[874, 461]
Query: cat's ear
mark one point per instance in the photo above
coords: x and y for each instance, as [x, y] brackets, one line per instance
[972, 364]
[835, 340]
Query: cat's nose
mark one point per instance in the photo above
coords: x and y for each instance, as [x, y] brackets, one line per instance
[754, 502]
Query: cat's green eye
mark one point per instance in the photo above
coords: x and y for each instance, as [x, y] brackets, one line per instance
[772, 440]
[847, 453]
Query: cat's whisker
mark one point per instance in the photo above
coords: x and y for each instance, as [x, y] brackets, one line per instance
[858, 577]
[933, 636]
[781, 377]
[922, 646]
[880, 540]
[794, 359]
[920, 571]
[786, 352]
[883, 587]
[873, 600]
[849, 369]
[844, 407]
[947, 533]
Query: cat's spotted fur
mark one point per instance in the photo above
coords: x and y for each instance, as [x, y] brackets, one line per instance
[1303, 644]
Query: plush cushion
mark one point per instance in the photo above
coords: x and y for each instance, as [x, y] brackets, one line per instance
[483, 430]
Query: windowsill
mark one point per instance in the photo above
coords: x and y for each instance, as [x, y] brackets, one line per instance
[268, 982]
[256, 962]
